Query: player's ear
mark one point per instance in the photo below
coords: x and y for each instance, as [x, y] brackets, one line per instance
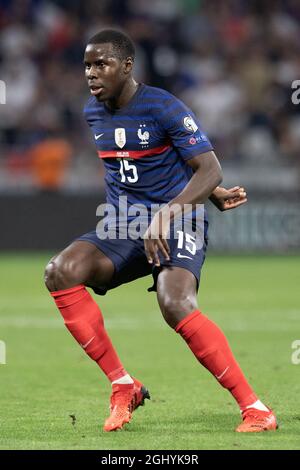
[128, 65]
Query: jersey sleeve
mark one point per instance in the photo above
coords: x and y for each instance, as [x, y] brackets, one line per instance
[183, 129]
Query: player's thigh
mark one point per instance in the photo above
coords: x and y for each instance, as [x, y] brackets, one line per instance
[80, 263]
[127, 256]
[176, 293]
[129, 261]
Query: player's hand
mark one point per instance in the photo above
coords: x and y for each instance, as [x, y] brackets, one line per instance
[225, 199]
[155, 239]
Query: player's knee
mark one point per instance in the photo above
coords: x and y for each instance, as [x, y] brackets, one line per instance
[50, 276]
[175, 308]
[61, 274]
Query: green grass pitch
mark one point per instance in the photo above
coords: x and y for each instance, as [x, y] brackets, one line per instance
[47, 377]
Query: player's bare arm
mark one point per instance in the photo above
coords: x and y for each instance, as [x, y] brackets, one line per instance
[207, 176]
[225, 199]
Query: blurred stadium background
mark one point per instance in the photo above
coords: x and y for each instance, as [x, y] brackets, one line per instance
[232, 61]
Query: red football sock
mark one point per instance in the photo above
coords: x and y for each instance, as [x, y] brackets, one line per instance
[84, 320]
[212, 350]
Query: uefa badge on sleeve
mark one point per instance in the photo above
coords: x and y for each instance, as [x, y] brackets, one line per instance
[190, 124]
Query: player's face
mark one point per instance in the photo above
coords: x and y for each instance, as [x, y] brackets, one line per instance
[105, 73]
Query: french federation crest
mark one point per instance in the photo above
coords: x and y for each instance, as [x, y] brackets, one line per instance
[143, 136]
[120, 137]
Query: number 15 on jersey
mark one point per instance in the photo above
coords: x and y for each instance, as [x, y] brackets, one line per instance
[128, 172]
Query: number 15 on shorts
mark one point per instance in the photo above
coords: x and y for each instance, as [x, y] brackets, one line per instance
[186, 242]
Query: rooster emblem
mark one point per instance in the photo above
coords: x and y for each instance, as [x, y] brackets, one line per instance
[143, 136]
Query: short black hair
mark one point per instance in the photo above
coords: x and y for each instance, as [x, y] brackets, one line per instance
[122, 44]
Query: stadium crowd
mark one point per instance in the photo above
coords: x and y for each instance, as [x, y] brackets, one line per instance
[232, 61]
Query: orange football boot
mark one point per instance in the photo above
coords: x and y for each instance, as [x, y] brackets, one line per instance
[257, 421]
[125, 398]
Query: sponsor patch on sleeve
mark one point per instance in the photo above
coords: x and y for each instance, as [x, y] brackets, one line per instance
[196, 139]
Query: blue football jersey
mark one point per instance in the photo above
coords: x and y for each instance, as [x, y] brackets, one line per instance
[145, 146]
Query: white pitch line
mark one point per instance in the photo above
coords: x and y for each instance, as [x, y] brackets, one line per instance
[153, 320]
[54, 323]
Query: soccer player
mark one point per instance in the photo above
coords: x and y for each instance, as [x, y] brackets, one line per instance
[154, 152]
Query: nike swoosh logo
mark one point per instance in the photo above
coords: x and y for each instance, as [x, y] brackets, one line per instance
[97, 136]
[223, 373]
[86, 344]
[183, 256]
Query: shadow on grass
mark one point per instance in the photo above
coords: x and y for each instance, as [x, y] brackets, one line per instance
[200, 422]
